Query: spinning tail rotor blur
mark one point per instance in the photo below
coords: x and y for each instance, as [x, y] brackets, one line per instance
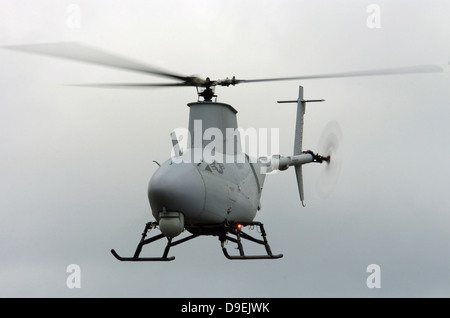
[330, 143]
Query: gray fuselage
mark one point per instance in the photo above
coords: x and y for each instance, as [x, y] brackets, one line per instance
[207, 193]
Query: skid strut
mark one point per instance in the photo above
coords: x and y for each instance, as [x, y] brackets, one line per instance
[144, 241]
[236, 230]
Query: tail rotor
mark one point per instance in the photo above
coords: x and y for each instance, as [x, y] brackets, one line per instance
[329, 146]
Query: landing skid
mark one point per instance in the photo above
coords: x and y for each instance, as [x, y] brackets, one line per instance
[236, 230]
[144, 241]
[141, 259]
[221, 231]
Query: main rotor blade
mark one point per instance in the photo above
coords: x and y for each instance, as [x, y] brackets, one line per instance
[130, 85]
[388, 71]
[83, 53]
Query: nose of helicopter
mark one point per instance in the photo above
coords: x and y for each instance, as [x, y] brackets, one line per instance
[177, 187]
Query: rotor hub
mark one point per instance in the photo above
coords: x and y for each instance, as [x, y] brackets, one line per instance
[207, 94]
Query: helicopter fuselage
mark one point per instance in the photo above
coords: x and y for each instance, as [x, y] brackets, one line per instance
[207, 192]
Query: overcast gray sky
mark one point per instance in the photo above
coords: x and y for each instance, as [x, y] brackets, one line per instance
[76, 162]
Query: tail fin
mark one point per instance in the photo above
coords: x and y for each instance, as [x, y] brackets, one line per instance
[298, 141]
[299, 122]
[299, 174]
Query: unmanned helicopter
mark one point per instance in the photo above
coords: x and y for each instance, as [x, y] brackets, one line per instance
[204, 190]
